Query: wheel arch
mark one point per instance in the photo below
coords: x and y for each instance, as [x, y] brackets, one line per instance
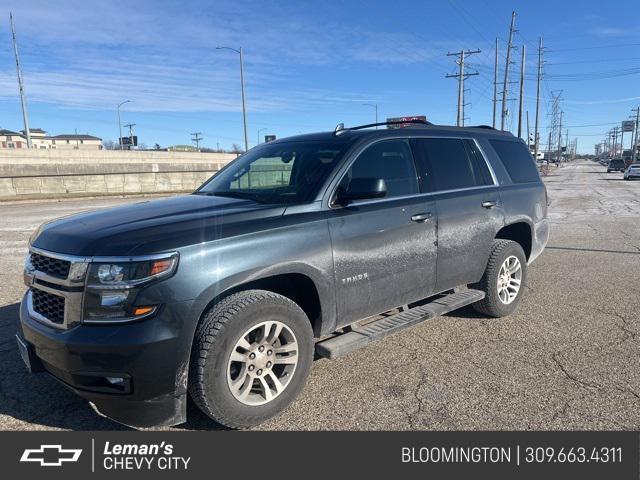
[309, 293]
[519, 232]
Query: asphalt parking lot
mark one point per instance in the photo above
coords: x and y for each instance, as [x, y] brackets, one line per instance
[569, 358]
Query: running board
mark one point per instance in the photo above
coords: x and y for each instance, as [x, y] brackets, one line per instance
[359, 336]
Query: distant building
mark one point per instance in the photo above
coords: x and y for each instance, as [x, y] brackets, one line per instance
[11, 139]
[182, 148]
[76, 142]
[42, 141]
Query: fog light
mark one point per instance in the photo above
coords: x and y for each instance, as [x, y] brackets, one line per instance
[118, 381]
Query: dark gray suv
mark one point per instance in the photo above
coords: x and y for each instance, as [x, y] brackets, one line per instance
[316, 243]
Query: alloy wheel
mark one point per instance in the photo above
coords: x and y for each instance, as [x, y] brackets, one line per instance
[509, 280]
[262, 363]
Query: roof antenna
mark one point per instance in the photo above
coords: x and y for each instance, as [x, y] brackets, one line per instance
[339, 129]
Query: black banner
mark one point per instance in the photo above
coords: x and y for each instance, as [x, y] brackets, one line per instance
[496, 455]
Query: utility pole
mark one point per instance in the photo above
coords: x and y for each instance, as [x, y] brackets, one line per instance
[505, 85]
[130, 127]
[634, 143]
[521, 106]
[495, 85]
[535, 135]
[528, 133]
[375, 106]
[560, 140]
[461, 76]
[23, 98]
[197, 138]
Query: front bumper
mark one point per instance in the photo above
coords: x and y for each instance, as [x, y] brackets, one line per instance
[151, 356]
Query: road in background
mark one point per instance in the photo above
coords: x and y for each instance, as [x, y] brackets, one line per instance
[569, 358]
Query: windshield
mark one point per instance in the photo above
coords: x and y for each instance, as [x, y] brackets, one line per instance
[282, 173]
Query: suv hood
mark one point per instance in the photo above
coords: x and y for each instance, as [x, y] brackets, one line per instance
[154, 226]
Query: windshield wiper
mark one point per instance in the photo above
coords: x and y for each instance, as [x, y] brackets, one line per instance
[235, 194]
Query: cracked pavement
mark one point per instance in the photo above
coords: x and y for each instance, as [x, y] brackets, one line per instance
[568, 359]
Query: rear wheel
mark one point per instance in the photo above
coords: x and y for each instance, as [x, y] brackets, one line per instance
[251, 357]
[503, 280]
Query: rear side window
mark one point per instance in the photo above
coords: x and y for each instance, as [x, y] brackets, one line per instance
[390, 160]
[516, 160]
[450, 163]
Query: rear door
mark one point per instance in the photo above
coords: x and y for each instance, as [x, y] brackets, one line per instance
[384, 249]
[468, 205]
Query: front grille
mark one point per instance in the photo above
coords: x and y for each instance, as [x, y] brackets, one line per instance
[51, 266]
[48, 305]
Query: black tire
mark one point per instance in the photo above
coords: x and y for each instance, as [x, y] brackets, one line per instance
[216, 336]
[491, 304]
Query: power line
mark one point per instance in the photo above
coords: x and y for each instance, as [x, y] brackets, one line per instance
[595, 47]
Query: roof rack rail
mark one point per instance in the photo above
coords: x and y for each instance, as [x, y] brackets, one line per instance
[340, 128]
[489, 127]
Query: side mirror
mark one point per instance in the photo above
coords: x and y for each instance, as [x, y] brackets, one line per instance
[362, 188]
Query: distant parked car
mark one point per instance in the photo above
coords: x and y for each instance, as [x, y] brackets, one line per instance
[633, 171]
[616, 165]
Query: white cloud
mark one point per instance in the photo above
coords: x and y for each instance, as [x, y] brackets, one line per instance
[91, 55]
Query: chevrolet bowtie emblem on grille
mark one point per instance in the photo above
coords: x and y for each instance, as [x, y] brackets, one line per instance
[50, 455]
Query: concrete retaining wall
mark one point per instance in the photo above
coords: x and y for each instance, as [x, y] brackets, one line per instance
[33, 174]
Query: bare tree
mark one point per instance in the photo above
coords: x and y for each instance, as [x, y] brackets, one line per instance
[109, 145]
[235, 148]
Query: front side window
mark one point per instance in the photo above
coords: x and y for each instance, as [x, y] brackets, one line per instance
[450, 164]
[389, 160]
[280, 173]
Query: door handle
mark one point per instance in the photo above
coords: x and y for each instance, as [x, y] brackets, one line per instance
[421, 217]
[489, 204]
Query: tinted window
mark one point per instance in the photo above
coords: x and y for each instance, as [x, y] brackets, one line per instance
[448, 166]
[517, 160]
[283, 173]
[390, 160]
[479, 163]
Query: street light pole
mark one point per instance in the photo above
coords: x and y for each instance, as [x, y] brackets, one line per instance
[244, 105]
[260, 130]
[120, 123]
[374, 105]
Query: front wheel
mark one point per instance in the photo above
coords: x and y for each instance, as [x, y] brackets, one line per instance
[503, 280]
[251, 356]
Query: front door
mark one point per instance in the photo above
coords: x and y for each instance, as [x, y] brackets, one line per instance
[384, 250]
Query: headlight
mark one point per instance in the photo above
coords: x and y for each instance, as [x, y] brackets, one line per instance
[112, 288]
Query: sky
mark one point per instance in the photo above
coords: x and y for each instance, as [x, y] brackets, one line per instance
[309, 65]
